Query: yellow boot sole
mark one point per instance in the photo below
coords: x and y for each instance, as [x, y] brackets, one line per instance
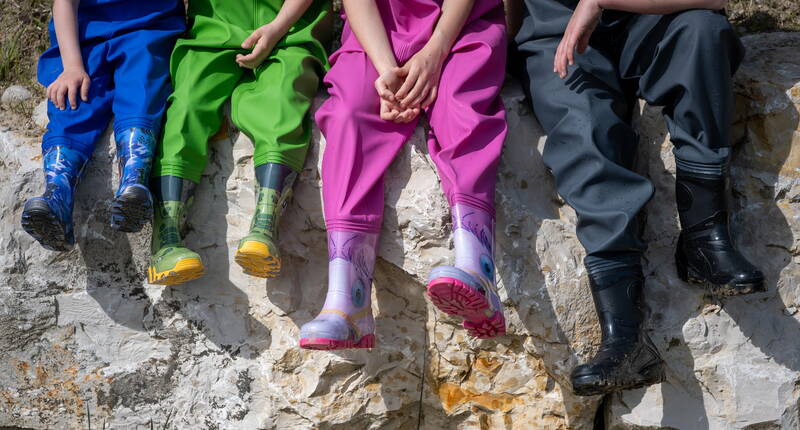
[184, 271]
[257, 260]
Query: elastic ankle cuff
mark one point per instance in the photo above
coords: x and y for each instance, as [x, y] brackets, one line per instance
[596, 265]
[692, 167]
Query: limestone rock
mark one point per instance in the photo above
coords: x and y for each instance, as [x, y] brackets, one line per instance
[40, 114]
[86, 342]
[15, 95]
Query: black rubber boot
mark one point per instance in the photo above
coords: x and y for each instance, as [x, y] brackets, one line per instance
[705, 253]
[627, 357]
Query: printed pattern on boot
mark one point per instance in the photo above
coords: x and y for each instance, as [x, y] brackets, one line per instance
[258, 253]
[346, 319]
[133, 204]
[48, 218]
[170, 262]
[467, 289]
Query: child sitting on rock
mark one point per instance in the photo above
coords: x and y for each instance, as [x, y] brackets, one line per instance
[264, 56]
[107, 57]
[400, 58]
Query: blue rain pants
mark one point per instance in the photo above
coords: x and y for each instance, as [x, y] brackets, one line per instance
[126, 46]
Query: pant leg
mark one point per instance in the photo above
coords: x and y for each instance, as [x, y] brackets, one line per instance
[203, 79]
[468, 121]
[590, 149]
[271, 106]
[360, 145]
[685, 63]
[141, 76]
[79, 129]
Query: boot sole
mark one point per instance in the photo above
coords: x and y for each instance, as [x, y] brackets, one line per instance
[39, 221]
[653, 374]
[690, 276]
[327, 344]
[185, 270]
[257, 260]
[132, 209]
[455, 297]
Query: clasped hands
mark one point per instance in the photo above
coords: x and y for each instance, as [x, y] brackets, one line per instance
[405, 91]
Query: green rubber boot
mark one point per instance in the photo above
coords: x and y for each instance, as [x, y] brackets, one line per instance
[258, 252]
[170, 262]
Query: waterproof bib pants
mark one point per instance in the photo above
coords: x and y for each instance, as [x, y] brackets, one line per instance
[269, 104]
[683, 62]
[467, 119]
[125, 47]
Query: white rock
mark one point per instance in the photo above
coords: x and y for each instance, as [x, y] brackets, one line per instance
[15, 94]
[40, 114]
[83, 335]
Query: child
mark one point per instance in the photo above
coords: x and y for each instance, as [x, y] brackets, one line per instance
[586, 62]
[107, 57]
[453, 56]
[265, 56]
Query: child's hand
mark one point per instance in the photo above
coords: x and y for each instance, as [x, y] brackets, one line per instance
[421, 74]
[68, 85]
[386, 85]
[262, 41]
[576, 38]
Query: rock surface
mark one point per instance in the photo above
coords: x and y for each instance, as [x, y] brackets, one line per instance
[15, 95]
[86, 342]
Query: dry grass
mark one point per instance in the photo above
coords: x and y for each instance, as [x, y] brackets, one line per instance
[22, 39]
[756, 16]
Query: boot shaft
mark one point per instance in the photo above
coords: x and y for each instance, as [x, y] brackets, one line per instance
[473, 237]
[173, 197]
[351, 261]
[275, 185]
[701, 194]
[135, 147]
[617, 296]
[63, 166]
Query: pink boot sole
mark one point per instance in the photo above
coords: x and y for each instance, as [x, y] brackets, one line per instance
[453, 296]
[326, 344]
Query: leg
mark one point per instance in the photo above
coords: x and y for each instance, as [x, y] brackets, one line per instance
[697, 95]
[141, 73]
[66, 148]
[286, 84]
[468, 129]
[360, 147]
[202, 80]
[589, 149]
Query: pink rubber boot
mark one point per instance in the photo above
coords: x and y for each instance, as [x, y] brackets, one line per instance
[346, 319]
[468, 288]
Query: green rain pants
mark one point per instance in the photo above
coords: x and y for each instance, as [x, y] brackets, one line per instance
[269, 104]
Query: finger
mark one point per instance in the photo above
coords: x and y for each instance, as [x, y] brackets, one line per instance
[72, 96]
[571, 52]
[411, 80]
[85, 89]
[60, 97]
[431, 97]
[422, 95]
[247, 58]
[383, 90]
[251, 40]
[419, 89]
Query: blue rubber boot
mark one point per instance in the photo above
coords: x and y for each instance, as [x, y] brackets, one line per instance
[49, 218]
[133, 205]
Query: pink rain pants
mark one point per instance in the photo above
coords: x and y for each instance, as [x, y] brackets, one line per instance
[467, 120]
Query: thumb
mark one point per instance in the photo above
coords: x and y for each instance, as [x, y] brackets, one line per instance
[251, 40]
